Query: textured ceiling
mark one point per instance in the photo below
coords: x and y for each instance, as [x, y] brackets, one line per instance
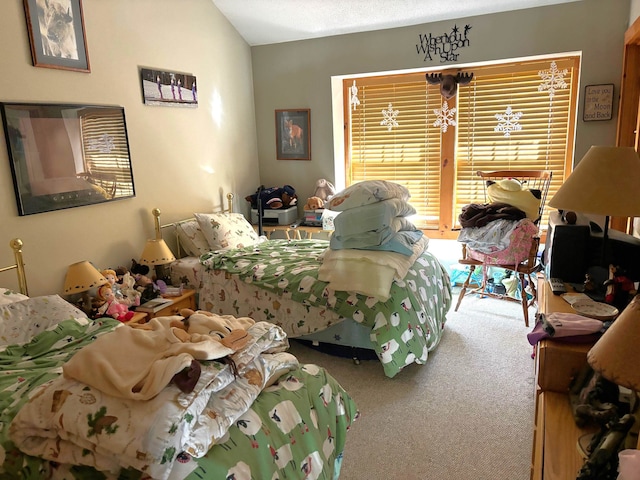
[263, 22]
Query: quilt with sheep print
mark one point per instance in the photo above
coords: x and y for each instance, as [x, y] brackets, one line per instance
[404, 328]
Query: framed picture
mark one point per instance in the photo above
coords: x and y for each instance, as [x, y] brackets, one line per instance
[65, 156]
[293, 134]
[160, 87]
[598, 102]
[56, 33]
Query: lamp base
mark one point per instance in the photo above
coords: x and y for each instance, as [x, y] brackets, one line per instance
[163, 273]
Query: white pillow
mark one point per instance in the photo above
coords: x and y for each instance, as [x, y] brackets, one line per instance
[20, 321]
[9, 296]
[226, 230]
[191, 238]
[366, 193]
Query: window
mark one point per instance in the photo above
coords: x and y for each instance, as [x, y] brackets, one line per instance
[516, 115]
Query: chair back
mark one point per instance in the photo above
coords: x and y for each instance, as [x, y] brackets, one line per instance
[531, 179]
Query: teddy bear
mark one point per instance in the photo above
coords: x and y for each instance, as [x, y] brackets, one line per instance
[314, 203]
[273, 197]
[232, 331]
[324, 190]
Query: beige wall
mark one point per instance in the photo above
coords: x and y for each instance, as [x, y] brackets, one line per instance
[184, 159]
[298, 74]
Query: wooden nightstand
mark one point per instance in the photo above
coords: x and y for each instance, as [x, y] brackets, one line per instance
[186, 300]
[138, 318]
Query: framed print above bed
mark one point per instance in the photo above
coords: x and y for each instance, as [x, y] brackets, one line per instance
[293, 134]
[65, 156]
[56, 33]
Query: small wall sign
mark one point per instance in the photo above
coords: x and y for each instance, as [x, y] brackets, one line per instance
[598, 102]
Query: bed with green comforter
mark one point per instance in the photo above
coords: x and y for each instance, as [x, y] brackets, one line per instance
[277, 281]
[292, 428]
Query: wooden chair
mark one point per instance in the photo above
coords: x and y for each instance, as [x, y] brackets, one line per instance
[525, 269]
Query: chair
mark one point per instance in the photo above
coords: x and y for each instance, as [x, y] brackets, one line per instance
[524, 268]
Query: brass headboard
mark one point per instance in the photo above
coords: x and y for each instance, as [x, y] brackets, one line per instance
[159, 228]
[16, 246]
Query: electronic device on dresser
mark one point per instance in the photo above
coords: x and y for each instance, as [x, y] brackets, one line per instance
[571, 249]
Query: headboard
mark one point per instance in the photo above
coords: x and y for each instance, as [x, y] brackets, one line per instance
[170, 228]
[16, 246]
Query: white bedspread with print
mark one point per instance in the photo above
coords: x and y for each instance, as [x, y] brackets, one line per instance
[403, 329]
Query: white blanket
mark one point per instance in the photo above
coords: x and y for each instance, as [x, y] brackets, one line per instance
[367, 272]
[71, 423]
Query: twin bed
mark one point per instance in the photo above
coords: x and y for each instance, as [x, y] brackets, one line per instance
[272, 418]
[277, 281]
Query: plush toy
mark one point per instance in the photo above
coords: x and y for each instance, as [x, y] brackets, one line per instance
[231, 330]
[620, 288]
[324, 190]
[274, 197]
[112, 307]
[314, 203]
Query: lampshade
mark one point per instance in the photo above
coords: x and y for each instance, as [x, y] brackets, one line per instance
[156, 252]
[81, 277]
[605, 182]
[617, 354]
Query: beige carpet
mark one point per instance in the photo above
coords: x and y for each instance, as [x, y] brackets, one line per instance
[466, 414]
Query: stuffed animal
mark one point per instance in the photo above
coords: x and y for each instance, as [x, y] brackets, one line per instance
[231, 330]
[314, 203]
[620, 289]
[324, 190]
[274, 197]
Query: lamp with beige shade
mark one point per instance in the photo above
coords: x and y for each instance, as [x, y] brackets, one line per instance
[80, 278]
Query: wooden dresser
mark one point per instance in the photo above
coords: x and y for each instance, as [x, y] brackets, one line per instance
[555, 454]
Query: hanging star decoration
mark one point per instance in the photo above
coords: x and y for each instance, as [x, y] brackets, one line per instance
[552, 80]
[508, 122]
[389, 118]
[355, 101]
[445, 117]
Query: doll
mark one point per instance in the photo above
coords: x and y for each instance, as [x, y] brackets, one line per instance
[112, 278]
[112, 307]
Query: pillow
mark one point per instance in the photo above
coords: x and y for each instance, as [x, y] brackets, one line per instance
[366, 193]
[510, 191]
[191, 238]
[226, 230]
[9, 296]
[20, 321]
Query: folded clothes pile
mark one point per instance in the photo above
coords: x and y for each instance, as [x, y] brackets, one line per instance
[373, 216]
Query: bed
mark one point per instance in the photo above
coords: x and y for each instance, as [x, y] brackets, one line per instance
[271, 418]
[236, 272]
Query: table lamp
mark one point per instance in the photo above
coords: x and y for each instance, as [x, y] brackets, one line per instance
[605, 182]
[157, 253]
[82, 277]
[616, 354]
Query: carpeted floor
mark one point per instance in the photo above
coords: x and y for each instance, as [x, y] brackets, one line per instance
[466, 414]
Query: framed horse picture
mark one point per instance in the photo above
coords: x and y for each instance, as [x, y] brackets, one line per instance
[293, 134]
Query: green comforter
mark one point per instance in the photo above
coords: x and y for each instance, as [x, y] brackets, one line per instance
[295, 426]
[403, 329]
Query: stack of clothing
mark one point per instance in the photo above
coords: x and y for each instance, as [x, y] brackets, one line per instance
[374, 242]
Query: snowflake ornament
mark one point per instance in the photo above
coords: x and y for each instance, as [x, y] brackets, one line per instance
[354, 100]
[389, 117]
[508, 122]
[445, 116]
[552, 80]
[103, 144]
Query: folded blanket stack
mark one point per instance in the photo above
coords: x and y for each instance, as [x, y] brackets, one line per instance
[373, 216]
[374, 242]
